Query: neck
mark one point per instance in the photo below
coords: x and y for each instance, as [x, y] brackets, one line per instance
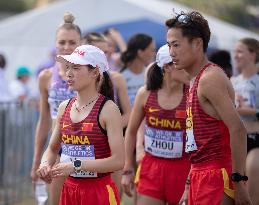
[249, 71]
[85, 96]
[136, 66]
[197, 66]
[170, 86]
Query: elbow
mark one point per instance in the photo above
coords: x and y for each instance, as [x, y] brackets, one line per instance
[120, 161]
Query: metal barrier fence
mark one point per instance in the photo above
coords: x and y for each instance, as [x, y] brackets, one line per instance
[17, 126]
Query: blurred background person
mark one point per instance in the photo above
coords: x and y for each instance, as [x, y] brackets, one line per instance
[5, 95]
[53, 89]
[19, 88]
[141, 50]
[223, 59]
[246, 86]
[116, 45]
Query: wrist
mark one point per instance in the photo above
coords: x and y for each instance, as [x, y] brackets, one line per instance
[236, 177]
[127, 172]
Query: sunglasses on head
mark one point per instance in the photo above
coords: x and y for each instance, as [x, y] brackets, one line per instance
[183, 18]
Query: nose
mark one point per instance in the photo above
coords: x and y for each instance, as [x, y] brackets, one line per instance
[171, 51]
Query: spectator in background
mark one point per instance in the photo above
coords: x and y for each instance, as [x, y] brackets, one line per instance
[116, 45]
[140, 52]
[53, 90]
[223, 59]
[246, 86]
[19, 88]
[49, 63]
[4, 88]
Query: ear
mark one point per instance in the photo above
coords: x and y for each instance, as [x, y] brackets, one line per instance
[140, 53]
[197, 43]
[95, 73]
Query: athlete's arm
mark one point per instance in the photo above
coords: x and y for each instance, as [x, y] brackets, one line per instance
[43, 124]
[110, 120]
[123, 98]
[136, 117]
[217, 89]
[50, 155]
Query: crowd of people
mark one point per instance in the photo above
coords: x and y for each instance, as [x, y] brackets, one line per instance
[168, 127]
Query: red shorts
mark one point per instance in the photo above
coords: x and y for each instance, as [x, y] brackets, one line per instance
[100, 191]
[162, 179]
[209, 181]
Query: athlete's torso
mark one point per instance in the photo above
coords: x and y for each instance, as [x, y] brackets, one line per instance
[85, 140]
[165, 129]
[208, 138]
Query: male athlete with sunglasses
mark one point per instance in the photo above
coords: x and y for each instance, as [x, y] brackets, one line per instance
[216, 137]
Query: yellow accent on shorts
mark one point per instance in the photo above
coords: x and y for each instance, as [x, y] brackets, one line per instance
[136, 181]
[112, 199]
[227, 190]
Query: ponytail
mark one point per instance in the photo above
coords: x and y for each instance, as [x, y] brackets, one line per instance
[106, 87]
[154, 77]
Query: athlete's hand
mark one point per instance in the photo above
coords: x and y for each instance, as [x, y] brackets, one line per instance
[34, 176]
[241, 194]
[44, 172]
[62, 170]
[184, 197]
[127, 184]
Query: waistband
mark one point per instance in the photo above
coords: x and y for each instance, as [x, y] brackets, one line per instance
[183, 158]
[211, 165]
[88, 181]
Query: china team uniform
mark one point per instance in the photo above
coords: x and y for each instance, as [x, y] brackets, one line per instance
[163, 171]
[86, 140]
[208, 142]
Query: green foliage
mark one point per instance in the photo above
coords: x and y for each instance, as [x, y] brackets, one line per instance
[233, 11]
[16, 5]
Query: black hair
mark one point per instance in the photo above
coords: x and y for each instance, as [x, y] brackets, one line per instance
[137, 42]
[223, 59]
[2, 61]
[194, 26]
[106, 87]
[154, 77]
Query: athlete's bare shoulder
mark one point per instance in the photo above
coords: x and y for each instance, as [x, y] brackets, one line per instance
[214, 80]
[45, 75]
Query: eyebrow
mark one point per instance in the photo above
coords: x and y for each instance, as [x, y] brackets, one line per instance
[175, 41]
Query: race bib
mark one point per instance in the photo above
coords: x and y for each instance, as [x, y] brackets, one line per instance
[71, 152]
[190, 141]
[163, 143]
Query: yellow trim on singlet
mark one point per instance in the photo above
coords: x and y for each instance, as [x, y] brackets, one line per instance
[137, 176]
[227, 190]
[112, 199]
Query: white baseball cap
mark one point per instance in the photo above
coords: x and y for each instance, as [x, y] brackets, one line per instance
[87, 55]
[163, 56]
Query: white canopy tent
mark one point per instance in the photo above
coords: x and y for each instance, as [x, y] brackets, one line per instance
[26, 39]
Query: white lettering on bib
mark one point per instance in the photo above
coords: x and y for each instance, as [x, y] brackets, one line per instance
[163, 143]
[72, 152]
